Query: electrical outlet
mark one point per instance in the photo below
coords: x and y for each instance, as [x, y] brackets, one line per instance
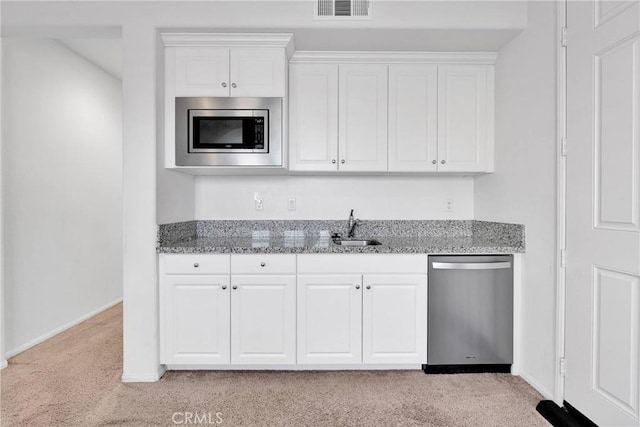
[292, 204]
[448, 205]
[258, 202]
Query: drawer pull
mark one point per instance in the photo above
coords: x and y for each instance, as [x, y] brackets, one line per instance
[196, 265]
[262, 264]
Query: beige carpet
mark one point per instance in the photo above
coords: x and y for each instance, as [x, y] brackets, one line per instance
[74, 379]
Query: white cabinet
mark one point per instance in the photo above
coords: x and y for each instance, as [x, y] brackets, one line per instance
[222, 71]
[359, 114]
[394, 318]
[263, 319]
[338, 117]
[413, 118]
[195, 318]
[362, 110]
[465, 118]
[372, 309]
[329, 319]
[313, 125]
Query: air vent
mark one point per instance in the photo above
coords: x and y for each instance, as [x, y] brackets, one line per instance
[342, 9]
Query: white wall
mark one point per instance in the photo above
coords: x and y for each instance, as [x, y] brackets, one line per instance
[331, 197]
[61, 171]
[522, 190]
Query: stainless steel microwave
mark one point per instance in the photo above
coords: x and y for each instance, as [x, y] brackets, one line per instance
[228, 131]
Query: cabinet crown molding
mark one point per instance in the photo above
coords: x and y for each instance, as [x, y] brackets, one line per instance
[357, 57]
[282, 40]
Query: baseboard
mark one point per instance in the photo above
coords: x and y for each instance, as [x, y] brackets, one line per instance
[3, 364]
[545, 392]
[60, 329]
[144, 378]
[301, 367]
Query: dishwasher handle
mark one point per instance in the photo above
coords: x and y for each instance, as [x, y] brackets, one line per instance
[471, 265]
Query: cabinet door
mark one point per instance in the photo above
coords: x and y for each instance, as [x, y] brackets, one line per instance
[258, 72]
[465, 117]
[200, 71]
[363, 117]
[395, 319]
[413, 114]
[329, 319]
[195, 320]
[313, 124]
[263, 319]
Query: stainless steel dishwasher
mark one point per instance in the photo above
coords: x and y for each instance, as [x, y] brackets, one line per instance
[470, 314]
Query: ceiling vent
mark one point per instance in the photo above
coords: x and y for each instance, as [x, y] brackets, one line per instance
[342, 9]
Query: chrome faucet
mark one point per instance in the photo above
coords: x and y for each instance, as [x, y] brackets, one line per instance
[353, 223]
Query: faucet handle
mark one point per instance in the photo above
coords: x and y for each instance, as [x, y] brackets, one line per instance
[336, 236]
[351, 214]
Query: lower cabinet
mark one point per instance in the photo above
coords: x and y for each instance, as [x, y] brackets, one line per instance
[362, 319]
[263, 319]
[394, 317]
[254, 310]
[195, 319]
[329, 319]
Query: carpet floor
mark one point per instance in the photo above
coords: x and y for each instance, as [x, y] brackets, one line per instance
[73, 379]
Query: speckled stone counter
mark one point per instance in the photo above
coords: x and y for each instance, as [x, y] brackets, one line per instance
[308, 236]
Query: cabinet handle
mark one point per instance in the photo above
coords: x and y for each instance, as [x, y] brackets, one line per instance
[368, 286]
[333, 161]
[234, 287]
[262, 264]
[234, 85]
[224, 84]
[342, 161]
[357, 286]
[196, 265]
[224, 287]
[434, 161]
[443, 161]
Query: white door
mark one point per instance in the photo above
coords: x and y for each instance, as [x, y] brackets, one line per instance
[195, 316]
[465, 111]
[258, 72]
[603, 211]
[313, 117]
[363, 117]
[199, 71]
[394, 325]
[329, 319]
[413, 115]
[263, 319]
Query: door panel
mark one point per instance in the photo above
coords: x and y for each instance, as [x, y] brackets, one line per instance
[195, 320]
[329, 319]
[463, 117]
[603, 190]
[313, 129]
[363, 117]
[258, 72]
[394, 325]
[413, 105]
[263, 316]
[201, 71]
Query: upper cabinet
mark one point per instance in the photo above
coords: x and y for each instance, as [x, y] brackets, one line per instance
[413, 118]
[338, 117]
[465, 118]
[391, 113]
[221, 71]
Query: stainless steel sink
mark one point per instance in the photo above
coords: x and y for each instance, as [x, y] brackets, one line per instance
[357, 242]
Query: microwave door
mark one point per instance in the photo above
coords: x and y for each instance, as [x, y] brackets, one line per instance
[235, 131]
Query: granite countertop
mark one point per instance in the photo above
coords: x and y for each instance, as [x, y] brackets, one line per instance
[429, 237]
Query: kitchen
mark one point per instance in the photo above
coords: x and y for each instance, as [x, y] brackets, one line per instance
[521, 190]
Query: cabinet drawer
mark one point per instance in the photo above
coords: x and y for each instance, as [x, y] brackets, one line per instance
[362, 263]
[263, 264]
[196, 264]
